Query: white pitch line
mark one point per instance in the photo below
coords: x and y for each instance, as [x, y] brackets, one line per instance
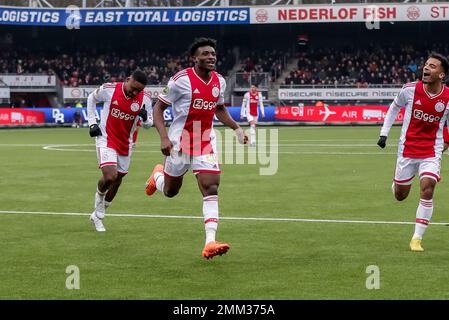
[376, 153]
[126, 215]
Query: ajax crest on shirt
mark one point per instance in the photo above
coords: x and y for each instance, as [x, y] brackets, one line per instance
[439, 107]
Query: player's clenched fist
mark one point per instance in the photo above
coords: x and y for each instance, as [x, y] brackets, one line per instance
[166, 146]
[143, 114]
[382, 141]
[94, 130]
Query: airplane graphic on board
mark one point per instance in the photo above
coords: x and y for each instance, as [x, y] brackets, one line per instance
[327, 112]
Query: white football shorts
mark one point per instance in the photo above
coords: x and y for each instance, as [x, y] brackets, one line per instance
[178, 163]
[407, 168]
[108, 157]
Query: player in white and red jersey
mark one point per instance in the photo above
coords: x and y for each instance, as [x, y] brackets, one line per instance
[124, 105]
[196, 94]
[421, 142]
[252, 100]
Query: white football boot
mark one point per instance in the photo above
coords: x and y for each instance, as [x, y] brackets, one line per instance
[98, 223]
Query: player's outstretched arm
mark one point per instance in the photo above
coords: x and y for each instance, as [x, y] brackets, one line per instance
[392, 113]
[159, 123]
[223, 115]
[262, 108]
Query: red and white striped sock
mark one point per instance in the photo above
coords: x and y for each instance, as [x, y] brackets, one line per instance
[210, 213]
[423, 216]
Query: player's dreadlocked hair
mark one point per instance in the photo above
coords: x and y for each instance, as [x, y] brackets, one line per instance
[201, 42]
[444, 61]
[140, 77]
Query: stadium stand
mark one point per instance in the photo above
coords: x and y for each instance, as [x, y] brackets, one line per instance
[270, 61]
[94, 67]
[360, 67]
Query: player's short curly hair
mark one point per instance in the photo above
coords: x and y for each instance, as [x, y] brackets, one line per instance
[201, 42]
[140, 77]
[444, 61]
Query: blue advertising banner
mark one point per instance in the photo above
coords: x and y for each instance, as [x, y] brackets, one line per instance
[73, 17]
[66, 115]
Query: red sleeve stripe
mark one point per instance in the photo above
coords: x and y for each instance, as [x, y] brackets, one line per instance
[164, 100]
[179, 75]
[410, 84]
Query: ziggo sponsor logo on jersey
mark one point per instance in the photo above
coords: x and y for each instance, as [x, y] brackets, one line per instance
[121, 115]
[420, 115]
[206, 105]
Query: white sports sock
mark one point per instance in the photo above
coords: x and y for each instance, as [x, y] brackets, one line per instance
[107, 204]
[160, 181]
[252, 133]
[210, 213]
[101, 194]
[423, 216]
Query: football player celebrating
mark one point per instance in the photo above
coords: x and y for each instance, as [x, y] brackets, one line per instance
[196, 94]
[124, 105]
[421, 142]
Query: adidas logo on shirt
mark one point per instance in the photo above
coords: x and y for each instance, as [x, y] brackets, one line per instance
[418, 103]
[196, 91]
[115, 102]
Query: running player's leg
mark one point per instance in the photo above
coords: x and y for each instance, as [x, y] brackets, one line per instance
[207, 171]
[429, 172]
[406, 169]
[168, 178]
[107, 159]
[252, 131]
[171, 185]
[112, 191]
[123, 163]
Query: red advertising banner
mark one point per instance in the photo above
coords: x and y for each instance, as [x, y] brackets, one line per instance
[370, 14]
[19, 116]
[335, 114]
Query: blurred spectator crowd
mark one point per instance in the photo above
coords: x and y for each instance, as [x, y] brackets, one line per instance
[271, 62]
[373, 65]
[92, 68]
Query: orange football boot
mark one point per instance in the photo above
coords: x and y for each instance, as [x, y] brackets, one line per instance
[150, 185]
[215, 248]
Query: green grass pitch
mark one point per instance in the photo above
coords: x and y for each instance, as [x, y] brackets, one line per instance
[333, 173]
